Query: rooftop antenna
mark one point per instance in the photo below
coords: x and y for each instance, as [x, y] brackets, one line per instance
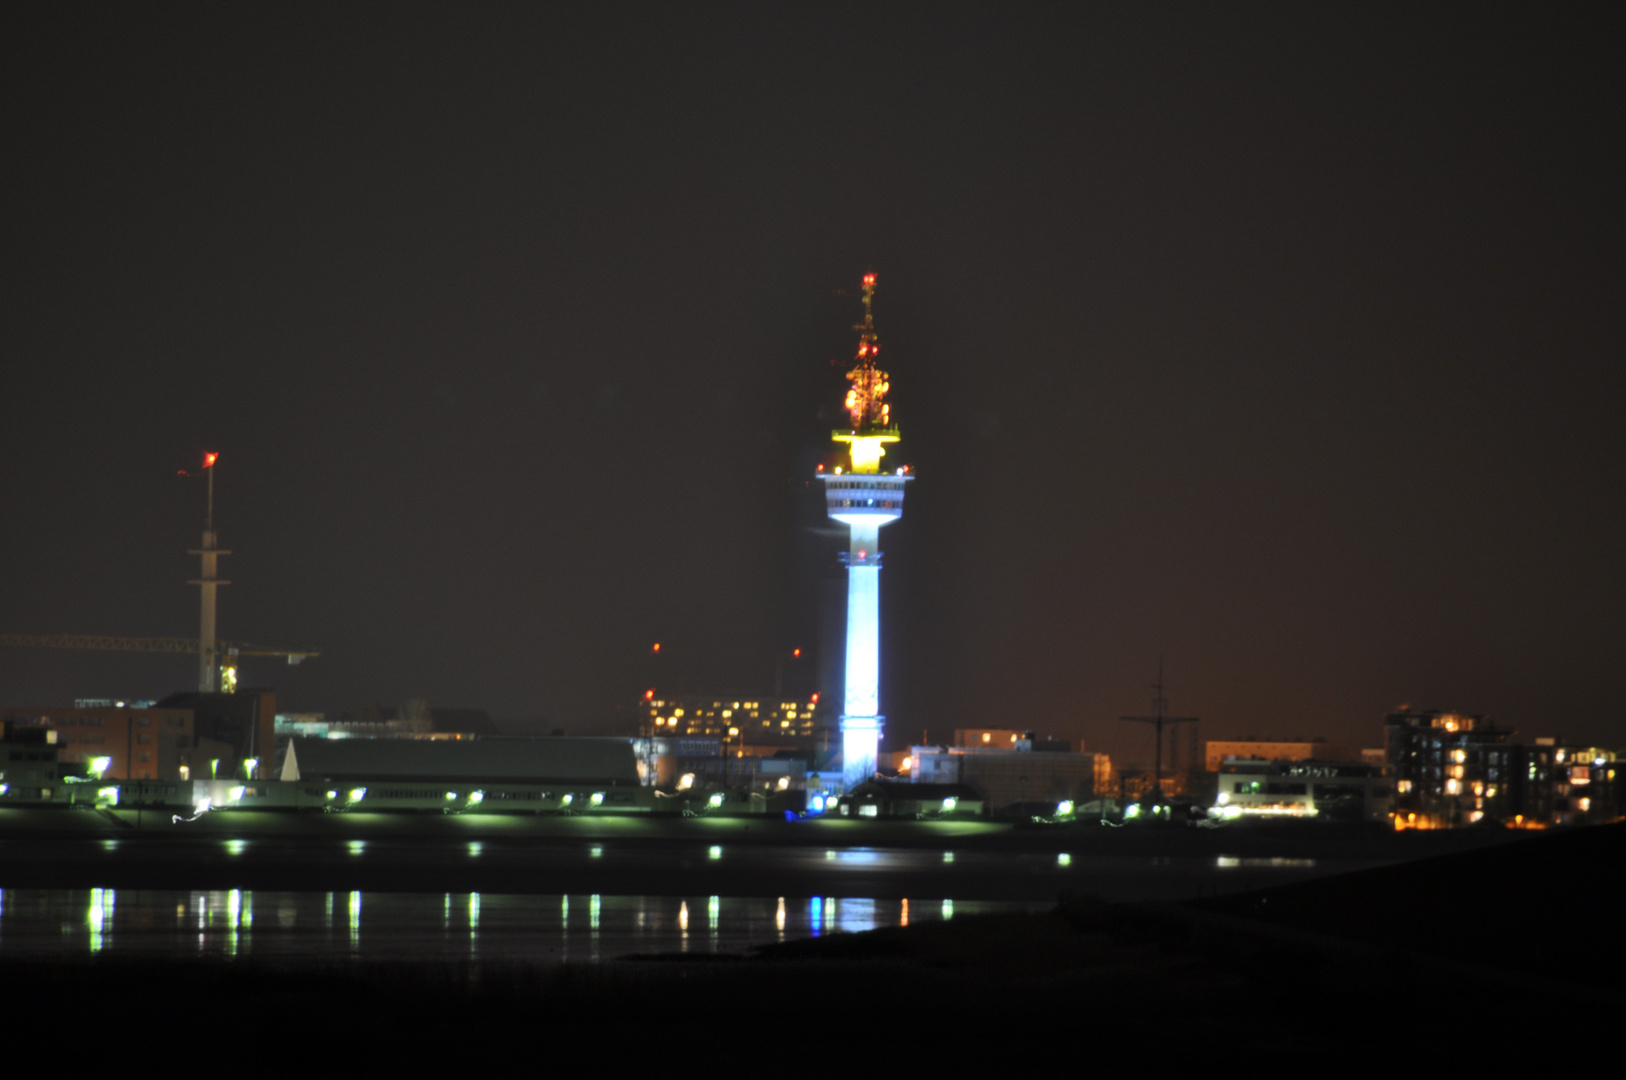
[1159, 718]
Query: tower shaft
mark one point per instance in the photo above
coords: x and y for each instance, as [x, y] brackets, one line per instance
[864, 503]
[209, 582]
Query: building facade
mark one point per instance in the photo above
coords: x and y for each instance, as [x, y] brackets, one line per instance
[1448, 769]
[1326, 790]
[140, 743]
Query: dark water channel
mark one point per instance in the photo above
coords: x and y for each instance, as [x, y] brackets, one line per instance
[299, 901]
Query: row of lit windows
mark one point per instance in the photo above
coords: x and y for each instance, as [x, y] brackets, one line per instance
[885, 504]
[728, 714]
[696, 729]
[787, 706]
[868, 485]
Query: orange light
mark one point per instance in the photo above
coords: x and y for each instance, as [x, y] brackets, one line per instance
[657, 646]
[796, 654]
[649, 695]
[209, 458]
[869, 279]
[814, 699]
[821, 468]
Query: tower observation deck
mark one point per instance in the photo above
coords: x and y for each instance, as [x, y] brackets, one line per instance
[864, 498]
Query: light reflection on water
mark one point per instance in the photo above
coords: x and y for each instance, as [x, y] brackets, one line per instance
[428, 926]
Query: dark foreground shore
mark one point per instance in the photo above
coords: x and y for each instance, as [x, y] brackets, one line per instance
[1458, 958]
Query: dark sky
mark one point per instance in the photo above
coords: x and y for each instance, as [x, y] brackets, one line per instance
[1281, 341]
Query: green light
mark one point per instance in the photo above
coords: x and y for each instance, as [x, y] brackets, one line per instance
[476, 797]
[949, 804]
[450, 795]
[357, 794]
[236, 794]
[598, 798]
[715, 801]
[249, 765]
[1064, 808]
[1064, 859]
[716, 852]
[333, 794]
[110, 795]
[100, 765]
[565, 800]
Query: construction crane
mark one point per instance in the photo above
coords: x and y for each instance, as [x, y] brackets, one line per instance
[227, 650]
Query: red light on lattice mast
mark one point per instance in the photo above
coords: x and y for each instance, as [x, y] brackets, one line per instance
[209, 458]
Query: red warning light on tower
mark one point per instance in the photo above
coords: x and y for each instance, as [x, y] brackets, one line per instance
[649, 695]
[657, 647]
[209, 458]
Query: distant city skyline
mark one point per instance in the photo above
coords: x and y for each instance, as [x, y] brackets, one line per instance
[1279, 343]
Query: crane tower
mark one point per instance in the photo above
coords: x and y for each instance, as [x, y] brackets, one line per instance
[210, 552]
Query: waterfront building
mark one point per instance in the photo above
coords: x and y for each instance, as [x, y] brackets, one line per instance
[594, 762]
[895, 798]
[744, 725]
[1216, 751]
[30, 766]
[1010, 777]
[149, 743]
[1554, 783]
[1448, 768]
[1325, 790]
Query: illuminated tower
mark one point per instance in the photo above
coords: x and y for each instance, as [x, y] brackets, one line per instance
[864, 498]
[208, 640]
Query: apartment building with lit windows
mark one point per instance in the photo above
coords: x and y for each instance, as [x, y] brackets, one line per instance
[746, 725]
[1448, 769]
[1561, 784]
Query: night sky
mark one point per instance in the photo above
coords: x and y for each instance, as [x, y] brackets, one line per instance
[1280, 341]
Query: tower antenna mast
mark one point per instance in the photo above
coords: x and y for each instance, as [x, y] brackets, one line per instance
[1159, 719]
